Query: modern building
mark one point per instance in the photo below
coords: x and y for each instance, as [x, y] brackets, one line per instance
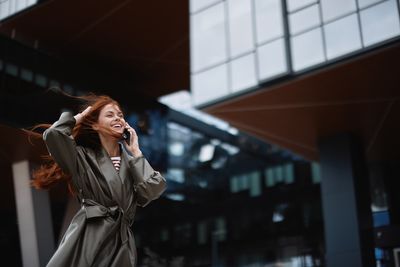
[319, 78]
[301, 169]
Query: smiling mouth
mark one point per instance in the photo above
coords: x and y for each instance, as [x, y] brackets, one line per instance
[117, 126]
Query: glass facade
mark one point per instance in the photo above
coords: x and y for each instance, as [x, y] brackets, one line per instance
[226, 207]
[255, 41]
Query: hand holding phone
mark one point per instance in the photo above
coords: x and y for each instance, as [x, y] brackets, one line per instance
[126, 136]
[132, 145]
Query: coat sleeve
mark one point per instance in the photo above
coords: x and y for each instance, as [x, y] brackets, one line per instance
[60, 143]
[148, 183]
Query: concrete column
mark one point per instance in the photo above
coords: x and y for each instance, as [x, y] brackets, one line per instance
[34, 218]
[346, 203]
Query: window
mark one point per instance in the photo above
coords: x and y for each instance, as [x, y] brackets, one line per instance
[210, 84]
[26, 75]
[271, 59]
[243, 72]
[12, 69]
[241, 38]
[279, 174]
[307, 49]
[41, 80]
[208, 38]
[196, 5]
[380, 22]
[304, 19]
[342, 36]
[365, 3]
[255, 184]
[332, 9]
[293, 5]
[269, 21]
[315, 172]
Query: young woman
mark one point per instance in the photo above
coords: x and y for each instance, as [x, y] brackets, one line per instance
[110, 178]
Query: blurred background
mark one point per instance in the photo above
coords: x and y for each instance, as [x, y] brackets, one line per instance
[275, 123]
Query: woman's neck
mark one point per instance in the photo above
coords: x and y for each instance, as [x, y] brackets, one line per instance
[110, 145]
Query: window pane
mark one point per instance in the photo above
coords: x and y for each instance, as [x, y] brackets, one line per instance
[240, 27]
[4, 9]
[334, 8]
[364, 3]
[41, 80]
[278, 174]
[196, 5]
[255, 184]
[269, 177]
[243, 182]
[342, 36]
[11, 69]
[243, 73]
[271, 59]
[234, 184]
[315, 172]
[19, 5]
[380, 22]
[296, 4]
[307, 49]
[269, 23]
[304, 19]
[208, 38]
[220, 227]
[31, 2]
[12, 6]
[289, 173]
[210, 84]
[26, 75]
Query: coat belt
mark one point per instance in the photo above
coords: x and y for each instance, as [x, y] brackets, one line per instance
[94, 209]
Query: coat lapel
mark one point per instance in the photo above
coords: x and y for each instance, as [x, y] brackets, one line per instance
[123, 170]
[110, 174]
[126, 184]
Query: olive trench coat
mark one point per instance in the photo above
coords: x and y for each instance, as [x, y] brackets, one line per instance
[100, 233]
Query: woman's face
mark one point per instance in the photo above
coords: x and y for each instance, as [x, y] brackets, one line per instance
[111, 117]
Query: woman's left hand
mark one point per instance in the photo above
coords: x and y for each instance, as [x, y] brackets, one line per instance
[133, 146]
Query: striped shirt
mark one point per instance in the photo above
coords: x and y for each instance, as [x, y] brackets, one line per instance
[116, 162]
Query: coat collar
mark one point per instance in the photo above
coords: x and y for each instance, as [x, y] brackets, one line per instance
[114, 180]
[124, 169]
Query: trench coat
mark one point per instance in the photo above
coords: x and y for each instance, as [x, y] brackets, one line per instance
[100, 232]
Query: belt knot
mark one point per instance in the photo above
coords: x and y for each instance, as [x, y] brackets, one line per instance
[94, 210]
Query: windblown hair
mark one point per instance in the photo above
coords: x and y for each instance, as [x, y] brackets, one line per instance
[49, 173]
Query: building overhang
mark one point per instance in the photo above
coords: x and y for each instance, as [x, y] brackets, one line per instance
[359, 96]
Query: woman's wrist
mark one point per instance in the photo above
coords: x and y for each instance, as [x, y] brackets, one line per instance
[78, 118]
[136, 153]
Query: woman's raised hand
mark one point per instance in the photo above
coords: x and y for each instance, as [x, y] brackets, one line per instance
[133, 146]
[79, 117]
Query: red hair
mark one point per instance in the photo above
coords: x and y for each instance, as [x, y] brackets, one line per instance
[50, 173]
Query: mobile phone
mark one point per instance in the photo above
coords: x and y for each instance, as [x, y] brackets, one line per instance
[126, 136]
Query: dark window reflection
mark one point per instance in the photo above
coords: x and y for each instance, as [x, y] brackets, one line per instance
[225, 207]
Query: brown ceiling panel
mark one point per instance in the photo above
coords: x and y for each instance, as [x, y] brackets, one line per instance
[144, 40]
[359, 96]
